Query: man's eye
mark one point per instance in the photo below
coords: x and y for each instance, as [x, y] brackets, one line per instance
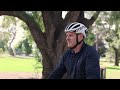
[70, 35]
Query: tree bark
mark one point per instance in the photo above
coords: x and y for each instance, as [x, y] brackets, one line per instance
[13, 33]
[116, 56]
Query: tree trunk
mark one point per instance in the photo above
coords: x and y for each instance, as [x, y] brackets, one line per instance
[96, 42]
[11, 40]
[11, 51]
[51, 58]
[116, 57]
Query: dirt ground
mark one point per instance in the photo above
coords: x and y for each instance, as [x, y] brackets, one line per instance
[20, 75]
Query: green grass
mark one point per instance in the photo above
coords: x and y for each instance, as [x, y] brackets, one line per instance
[112, 72]
[19, 64]
[29, 64]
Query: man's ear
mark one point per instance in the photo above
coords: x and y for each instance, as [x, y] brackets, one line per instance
[81, 35]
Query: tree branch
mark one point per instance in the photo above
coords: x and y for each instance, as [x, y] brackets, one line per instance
[89, 22]
[52, 20]
[49, 28]
[32, 25]
[81, 17]
[56, 17]
[71, 16]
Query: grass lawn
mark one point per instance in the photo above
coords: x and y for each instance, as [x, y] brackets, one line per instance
[112, 72]
[29, 64]
[19, 64]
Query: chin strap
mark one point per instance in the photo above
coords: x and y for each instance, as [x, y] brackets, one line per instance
[77, 43]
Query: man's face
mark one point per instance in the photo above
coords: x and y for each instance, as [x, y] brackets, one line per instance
[71, 39]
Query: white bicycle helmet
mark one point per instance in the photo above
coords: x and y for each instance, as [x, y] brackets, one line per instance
[77, 28]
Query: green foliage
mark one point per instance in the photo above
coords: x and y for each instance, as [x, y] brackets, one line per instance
[101, 32]
[27, 48]
[27, 33]
[8, 20]
[109, 39]
[114, 35]
[2, 44]
[24, 46]
[37, 15]
[4, 37]
[18, 48]
[102, 49]
[115, 16]
[37, 54]
[1, 50]
[90, 38]
[19, 45]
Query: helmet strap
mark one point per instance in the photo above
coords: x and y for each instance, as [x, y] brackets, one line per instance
[77, 43]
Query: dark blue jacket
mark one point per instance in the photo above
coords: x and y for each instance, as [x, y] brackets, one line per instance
[81, 65]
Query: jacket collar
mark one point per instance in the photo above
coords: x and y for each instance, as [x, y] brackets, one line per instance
[72, 51]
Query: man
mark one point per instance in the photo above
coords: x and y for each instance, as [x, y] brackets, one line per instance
[81, 61]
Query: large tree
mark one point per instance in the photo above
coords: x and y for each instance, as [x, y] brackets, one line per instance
[114, 36]
[107, 27]
[10, 24]
[51, 42]
[4, 38]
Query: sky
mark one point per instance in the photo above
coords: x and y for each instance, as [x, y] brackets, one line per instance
[63, 14]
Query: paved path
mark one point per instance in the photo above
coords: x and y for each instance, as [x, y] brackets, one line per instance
[20, 75]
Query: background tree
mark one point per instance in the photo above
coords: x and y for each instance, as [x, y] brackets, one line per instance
[51, 42]
[4, 37]
[27, 48]
[106, 29]
[10, 24]
[114, 36]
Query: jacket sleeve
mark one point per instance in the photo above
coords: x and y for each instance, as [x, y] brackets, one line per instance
[59, 71]
[92, 65]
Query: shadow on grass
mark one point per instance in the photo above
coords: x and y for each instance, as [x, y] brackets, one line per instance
[115, 68]
[22, 57]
